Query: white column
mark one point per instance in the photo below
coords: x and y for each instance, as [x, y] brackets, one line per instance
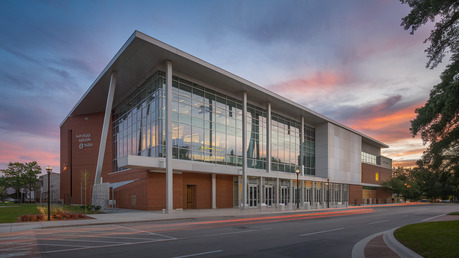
[291, 201]
[105, 127]
[341, 193]
[323, 193]
[214, 191]
[169, 172]
[313, 196]
[268, 137]
[302, 146]
[302, 193]
[277, 192]
[244, 150]
[261, 190]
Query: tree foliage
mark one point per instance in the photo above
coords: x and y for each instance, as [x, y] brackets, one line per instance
[21, 176]
[422, 183]
[445, 36]
[437, 121]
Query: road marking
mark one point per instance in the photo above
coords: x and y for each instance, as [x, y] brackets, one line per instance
[434, 217]
[83, 240]
[222, 234]
[104, 236]
[143, 231]
[204, 253]
[101, 246]
[378, 222]
[319, 232]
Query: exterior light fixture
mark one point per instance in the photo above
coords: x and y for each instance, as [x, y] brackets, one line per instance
[49, 169]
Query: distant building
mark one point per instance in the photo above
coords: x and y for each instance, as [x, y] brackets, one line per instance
[55, 182]
[182, 133]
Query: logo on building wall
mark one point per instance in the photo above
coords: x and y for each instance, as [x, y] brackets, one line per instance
[84, 140]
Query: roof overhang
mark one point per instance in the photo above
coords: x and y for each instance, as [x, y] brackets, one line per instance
[142, 53]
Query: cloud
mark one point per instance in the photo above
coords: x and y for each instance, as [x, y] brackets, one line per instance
[24, 147]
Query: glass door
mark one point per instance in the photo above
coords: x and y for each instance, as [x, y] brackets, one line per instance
[269, 195]
[252, 195]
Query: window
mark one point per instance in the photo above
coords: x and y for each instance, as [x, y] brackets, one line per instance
[368, 158]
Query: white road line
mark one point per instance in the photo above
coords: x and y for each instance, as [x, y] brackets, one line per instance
[16, 247]
[143, 231]
[89, 241]
[434, 217]
[75, 246]
[222, 234]
[110, 237]
[319, 232]
[204, 253]
[101, 246]
[376, 222]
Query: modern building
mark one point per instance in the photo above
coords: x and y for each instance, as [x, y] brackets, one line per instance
[167, 130]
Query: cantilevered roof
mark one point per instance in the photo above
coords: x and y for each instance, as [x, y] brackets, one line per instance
[141, 53]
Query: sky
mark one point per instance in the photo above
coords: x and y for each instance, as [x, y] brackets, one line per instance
[348, 60]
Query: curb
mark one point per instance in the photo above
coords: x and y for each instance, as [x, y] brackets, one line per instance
[358, 251]
[397, 247]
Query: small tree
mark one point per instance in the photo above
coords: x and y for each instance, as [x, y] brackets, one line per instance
[84, 186]
[30, 176]
[3, 186]
[14, 178]
[403, 183]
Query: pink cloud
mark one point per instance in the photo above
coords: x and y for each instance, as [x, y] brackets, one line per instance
[323, 80]
[27, 153]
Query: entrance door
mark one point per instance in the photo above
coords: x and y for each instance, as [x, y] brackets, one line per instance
[284, 195]
[269, 195]
[252, 195]
[191, 196]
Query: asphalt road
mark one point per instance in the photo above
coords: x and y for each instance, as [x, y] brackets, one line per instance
[319, 234]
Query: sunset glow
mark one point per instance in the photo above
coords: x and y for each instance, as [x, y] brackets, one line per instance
[348, 60]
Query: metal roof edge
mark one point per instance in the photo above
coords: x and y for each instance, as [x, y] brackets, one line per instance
[107, 67]
[151, 40]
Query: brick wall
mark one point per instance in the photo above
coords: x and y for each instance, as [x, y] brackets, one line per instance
[369, 174]
[203, 183]
[355, 193]
[224, 191]
[76, 159]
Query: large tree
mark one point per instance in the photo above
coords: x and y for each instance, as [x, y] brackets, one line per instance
[21, 176]
[437, 121]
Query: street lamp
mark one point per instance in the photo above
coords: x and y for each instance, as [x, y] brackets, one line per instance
[49, 169]
[297, 189]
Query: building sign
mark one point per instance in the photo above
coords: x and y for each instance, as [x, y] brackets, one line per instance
[84, 140]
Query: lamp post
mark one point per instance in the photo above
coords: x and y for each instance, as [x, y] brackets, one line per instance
[297, 189]
[49, 169]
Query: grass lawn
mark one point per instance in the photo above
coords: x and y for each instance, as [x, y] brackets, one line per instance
[11, 213]
[454, 213]
[431, 239]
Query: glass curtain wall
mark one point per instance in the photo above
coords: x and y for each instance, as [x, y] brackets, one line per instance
[285, 144]
[256, 137]
[206, 127]
[138, 124]
[309, 151]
